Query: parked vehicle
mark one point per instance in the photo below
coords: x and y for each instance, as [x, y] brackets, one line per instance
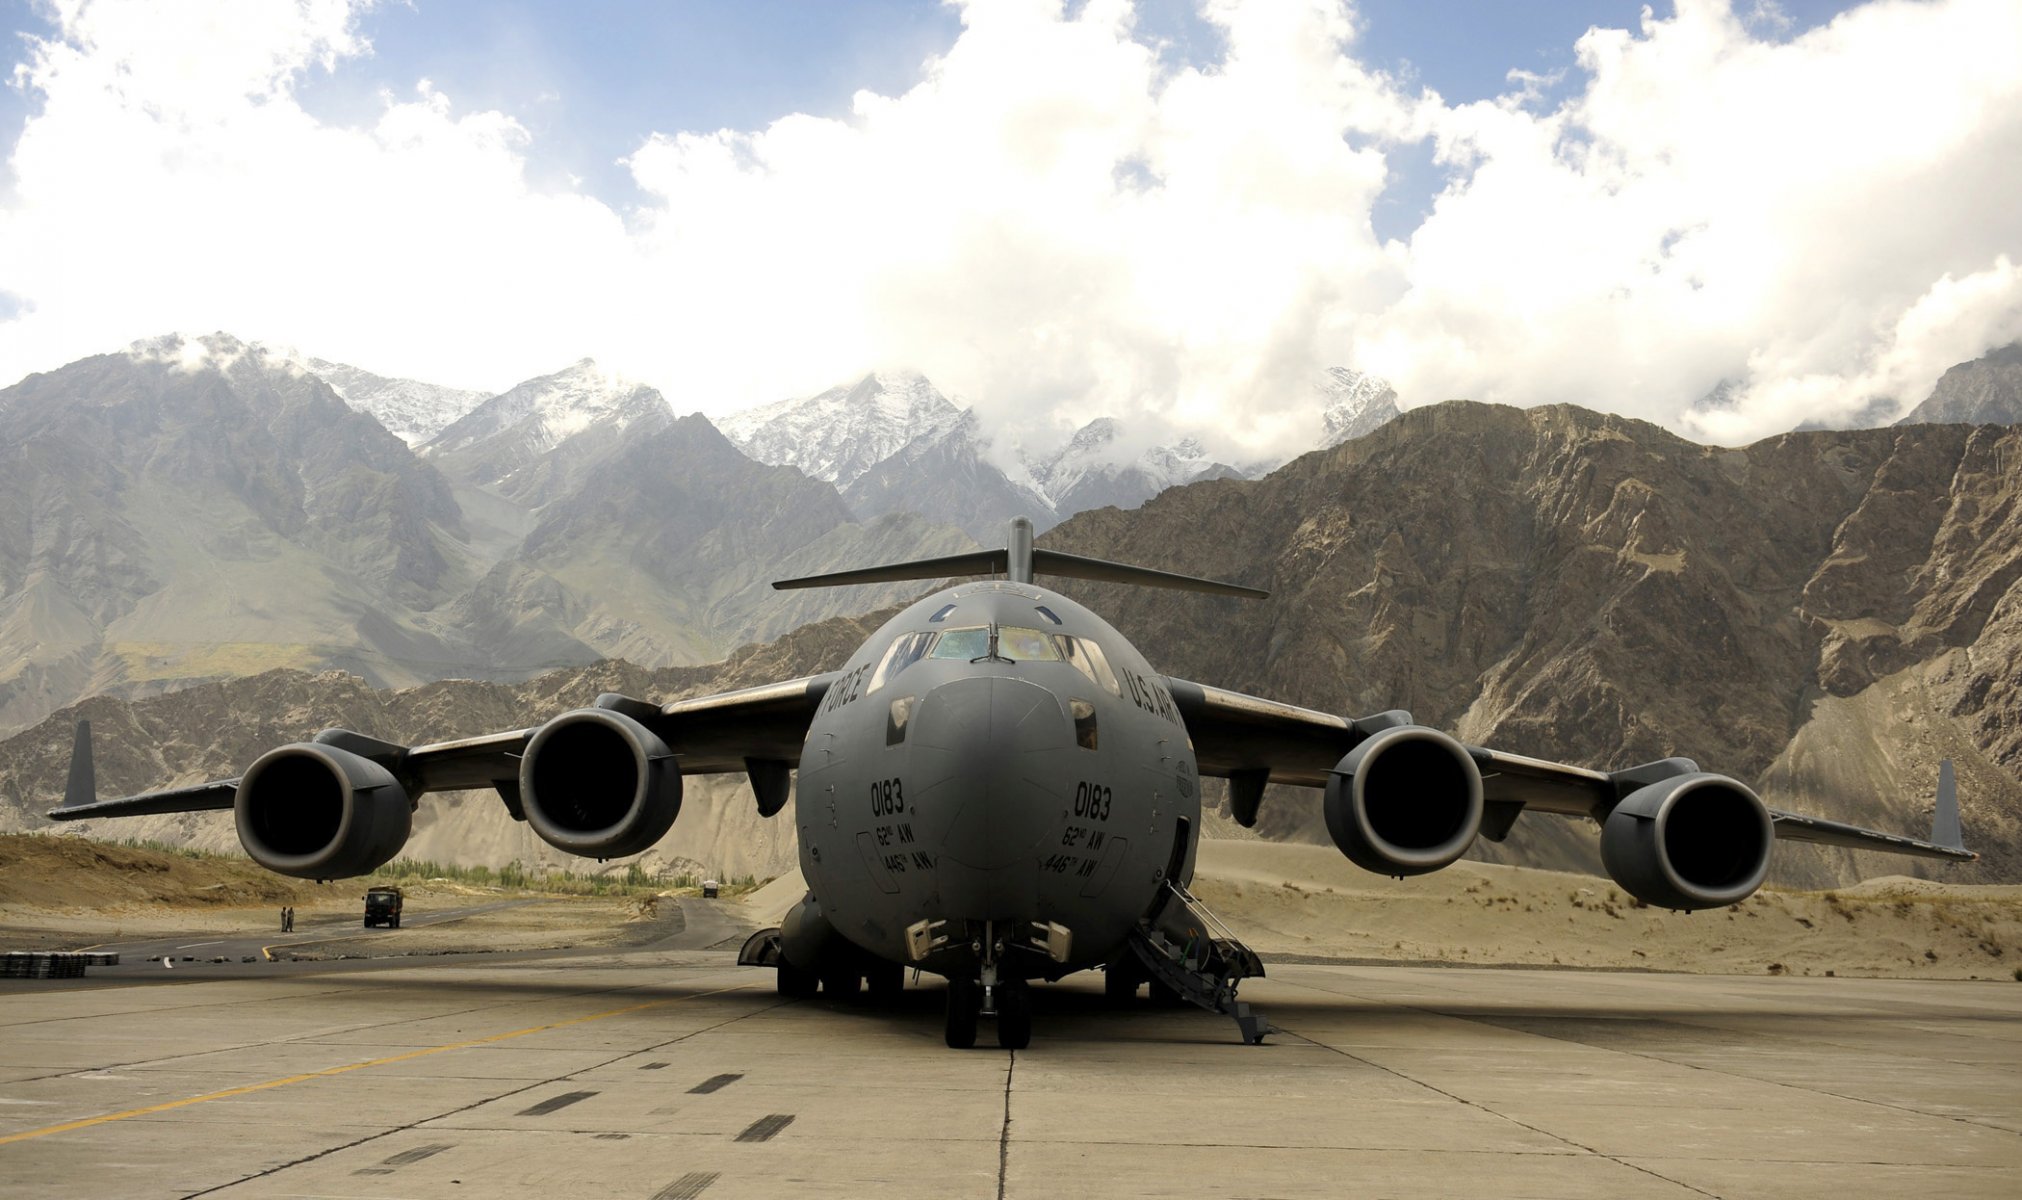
[382, 907]
[710, 888]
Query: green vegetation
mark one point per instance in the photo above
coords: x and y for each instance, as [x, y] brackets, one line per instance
[152, 846]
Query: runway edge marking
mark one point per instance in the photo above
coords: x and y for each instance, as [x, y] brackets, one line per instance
[88, 1122]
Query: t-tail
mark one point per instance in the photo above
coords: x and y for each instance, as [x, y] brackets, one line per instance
[1019, 561]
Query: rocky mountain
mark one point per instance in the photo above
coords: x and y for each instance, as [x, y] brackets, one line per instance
[1825, 615]
[199, 509]
[1353, 404]
[838, 435]
[950, 477]
[1091, 472]
[665, 552]
[214, 730]
[193, 506]
[1986, 390]
[411, 410]
[548, 436]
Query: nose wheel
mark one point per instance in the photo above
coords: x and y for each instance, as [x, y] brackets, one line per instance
[1014, 1014]
[1013, 1000]
[964, 1000]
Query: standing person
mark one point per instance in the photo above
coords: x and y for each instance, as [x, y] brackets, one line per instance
[284, 918]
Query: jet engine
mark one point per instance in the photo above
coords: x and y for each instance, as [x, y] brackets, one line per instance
[1691, 841]
[317, 812]
[598, 784]
[1405, 801]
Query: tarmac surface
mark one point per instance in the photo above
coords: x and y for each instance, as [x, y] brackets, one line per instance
[668, 1072]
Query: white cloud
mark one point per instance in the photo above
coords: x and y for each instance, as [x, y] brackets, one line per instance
[1055, 226]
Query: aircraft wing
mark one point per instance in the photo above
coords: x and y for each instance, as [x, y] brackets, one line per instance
[759, 730]
[1253, 741]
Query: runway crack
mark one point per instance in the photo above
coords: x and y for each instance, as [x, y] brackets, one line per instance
[1004, 1132]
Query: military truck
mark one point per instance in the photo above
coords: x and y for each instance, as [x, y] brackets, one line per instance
[382, 907]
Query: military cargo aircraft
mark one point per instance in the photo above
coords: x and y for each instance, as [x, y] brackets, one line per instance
[998, 788]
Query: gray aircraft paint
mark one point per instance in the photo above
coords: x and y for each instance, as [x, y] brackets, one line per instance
[986, 808]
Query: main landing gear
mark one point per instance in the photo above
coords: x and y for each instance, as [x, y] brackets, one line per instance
[1010, 1001]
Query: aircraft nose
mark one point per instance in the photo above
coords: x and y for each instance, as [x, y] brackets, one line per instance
[989, 750]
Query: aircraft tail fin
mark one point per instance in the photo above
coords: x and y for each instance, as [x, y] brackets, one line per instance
[1945, 829]
[1020, 561]
[82, 787]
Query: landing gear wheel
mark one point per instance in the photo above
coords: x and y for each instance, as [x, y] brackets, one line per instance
[1014, 1015]
[796, 983]
[887, 981]
[963, 1003]
[841, 983]
[1119, 983]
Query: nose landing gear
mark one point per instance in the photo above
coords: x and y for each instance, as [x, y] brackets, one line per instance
[1010, 1003]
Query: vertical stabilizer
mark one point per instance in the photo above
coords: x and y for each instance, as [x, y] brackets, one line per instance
[1018, 568]
[82, 788]
[1945, 815]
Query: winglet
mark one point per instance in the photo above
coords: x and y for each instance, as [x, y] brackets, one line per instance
[1945, 829]
[82, 789]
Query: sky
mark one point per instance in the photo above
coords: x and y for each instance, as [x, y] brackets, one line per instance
[1726, 216]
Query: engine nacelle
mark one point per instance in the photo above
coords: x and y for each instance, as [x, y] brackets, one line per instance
[1691, 841]
[317, 812]
[599, 784]
[1406, 801]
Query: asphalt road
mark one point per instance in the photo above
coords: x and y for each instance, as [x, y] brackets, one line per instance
[669, 1072]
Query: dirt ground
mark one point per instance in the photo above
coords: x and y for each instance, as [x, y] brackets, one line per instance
[1287, 901]
[64, 893]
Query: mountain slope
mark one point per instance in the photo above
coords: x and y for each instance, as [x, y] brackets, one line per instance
[1824, 615]
[180, 510]
[841, 433]
[1986, 390]
[948, 477]
[411, 410]
[545, 437]
[1585, 587]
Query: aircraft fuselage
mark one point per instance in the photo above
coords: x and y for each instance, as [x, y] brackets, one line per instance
[994, 761]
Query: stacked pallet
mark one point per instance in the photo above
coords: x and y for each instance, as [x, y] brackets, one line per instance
[53, 964]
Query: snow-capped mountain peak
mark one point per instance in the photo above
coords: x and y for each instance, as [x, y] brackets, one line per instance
[411, 410]
[1091, 470]
[846, 430]
[543, 413]
[1353, 404]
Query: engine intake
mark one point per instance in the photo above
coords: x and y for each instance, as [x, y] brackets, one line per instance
[317, 812]
[597, 783]
[1406, 801]
[1692, 841]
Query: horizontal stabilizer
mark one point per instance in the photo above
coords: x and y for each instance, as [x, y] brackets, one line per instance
[981, 562]
[1073, 566]
[1019, 562]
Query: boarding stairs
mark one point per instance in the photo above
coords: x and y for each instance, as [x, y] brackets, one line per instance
[1186, 948]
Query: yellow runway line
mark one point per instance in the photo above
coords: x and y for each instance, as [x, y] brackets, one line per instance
[88, 1122]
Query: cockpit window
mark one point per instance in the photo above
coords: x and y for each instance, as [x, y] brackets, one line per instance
[1087, 657]
[940, 612]
[1048, 613]
[904, 652]
[1025, 645]
[964, 644]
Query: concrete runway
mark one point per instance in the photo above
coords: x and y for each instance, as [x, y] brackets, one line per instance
[668, 1073]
